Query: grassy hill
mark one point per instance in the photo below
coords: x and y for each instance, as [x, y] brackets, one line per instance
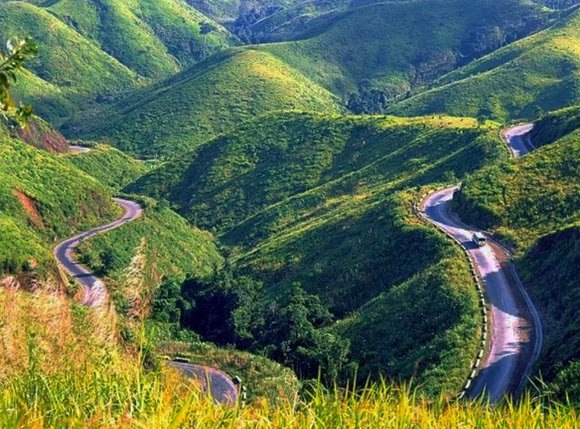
[110, 166]
[274, 157]
[190, 108]
[153, 38]
[90, 51]
[40, 204]
[47, 197]
[522, 80]
[321, 201]
[403, 45]
[170, 245]
[68, 66]
[533, 203]
[423, 43]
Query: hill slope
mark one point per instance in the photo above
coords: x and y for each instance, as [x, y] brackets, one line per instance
[90, 51]
[190, 108]
[110, 166]
[321, 203]
[538, 73]
[39, 204]
[534, 202]
[153, 38]
[68, 66]
[404, 44]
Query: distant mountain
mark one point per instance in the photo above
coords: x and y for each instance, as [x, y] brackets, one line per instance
[537, 74]
[403, 46]
[91, 51]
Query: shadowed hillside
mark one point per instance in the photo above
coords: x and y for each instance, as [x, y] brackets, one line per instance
[320, 203]
[534, 75]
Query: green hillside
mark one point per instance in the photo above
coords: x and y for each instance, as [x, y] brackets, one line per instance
[404, 44]
[274, 157]
[555, 125]
[110, 166]
[319, 202]
[68, 66]
[91, 51]
[190, 108]
[534, 75]
[169, 246]
[39, 204]
[152, 38]
[533, 203]
[47, 197]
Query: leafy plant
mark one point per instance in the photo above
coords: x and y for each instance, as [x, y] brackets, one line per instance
[12, 61]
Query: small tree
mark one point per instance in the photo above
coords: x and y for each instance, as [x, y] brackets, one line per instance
[12, 61]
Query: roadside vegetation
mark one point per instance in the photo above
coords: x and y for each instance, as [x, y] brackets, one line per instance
[159, 246]
[39, 205]
[62, 366]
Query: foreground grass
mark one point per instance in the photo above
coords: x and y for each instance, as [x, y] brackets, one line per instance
[64, 366]
[105, 399]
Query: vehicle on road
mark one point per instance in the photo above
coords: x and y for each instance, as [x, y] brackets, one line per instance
[479, 239]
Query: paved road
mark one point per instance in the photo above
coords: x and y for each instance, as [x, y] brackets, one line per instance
[515, 331]
[94, 290]
[223, 390]
[79, 149]
[518, 139]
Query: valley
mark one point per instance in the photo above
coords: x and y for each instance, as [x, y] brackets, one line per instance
[279, 213]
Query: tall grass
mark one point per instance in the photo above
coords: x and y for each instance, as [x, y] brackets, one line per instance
[124, 396]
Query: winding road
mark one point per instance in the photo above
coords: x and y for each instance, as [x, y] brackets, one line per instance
[221, 387]
[94, 291]
[518, 139]
[515, 331]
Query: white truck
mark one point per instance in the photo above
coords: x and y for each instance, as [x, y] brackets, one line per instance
[479, 239]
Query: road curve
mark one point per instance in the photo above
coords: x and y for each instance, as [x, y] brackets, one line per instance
[518, 139]
[515, 331]
[94, 290]
[78, 149]
[222, 388]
